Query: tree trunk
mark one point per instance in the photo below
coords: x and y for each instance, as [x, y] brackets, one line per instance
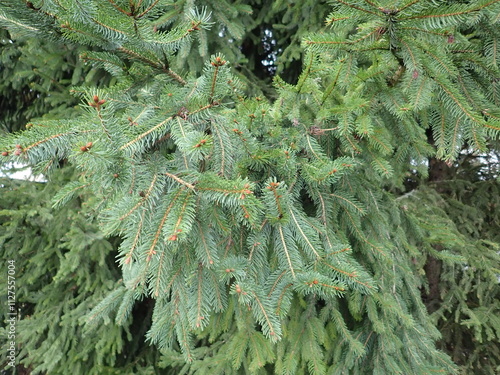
[439, 171]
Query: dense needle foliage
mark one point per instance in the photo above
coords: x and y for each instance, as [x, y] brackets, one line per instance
[337, 218]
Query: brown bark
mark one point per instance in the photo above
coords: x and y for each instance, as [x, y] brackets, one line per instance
[439, 171]
[432, 299]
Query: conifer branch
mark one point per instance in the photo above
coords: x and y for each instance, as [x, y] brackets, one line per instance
[285, 249]
[109, 27]
[104, 306]
[72, 132]
[323, 209]
[173, 279]
[277, 197]
[118, 8]
[360, 210]
[334, 287]
[419, 93]
[308, 138]
[370, 3]
[222, 150]
[348, 274]
[147, 10]
[10, 20]
[179, 180]
[458, 103]
[67, 26]
[360, 234]
[199, 297]
[408, 5]
[220, 304]
[358, 8]
[145, 134]
[184, 339]
[157, 278]
[305, 74]
[142, 200]
[180, 217]
[426, 16]
[157, 65]
[157, 235]
[176, 76]
[68, 194]
[214, 81]
[276, 283]
[204, 243]
[338, 42]
[135, 55]
[86, 58]
[410, 53]
[432, 32]
[456, 131]
[379, 163]
[332, 85]
[272, 329]
[304, 236]
[443, 64]
[378, 141]
[340, 251]
[128, 257]
[204, 108]
[101, 120]
[281, 297]
[252, 248]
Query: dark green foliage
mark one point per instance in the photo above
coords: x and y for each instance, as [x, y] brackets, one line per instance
[466, 301]
[275, 235]
[35, 78]
[64, 267]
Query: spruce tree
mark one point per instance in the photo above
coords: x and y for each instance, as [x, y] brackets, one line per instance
[273, 231]
[56, 254]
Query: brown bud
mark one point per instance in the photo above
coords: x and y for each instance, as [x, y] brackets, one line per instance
[116, 175]
[84, 149]
[316, 130]
[96, 99]
[89, 145]
[5, 153]
[17, 152]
